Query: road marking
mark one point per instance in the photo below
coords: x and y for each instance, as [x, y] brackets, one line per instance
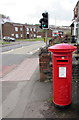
[30, 52]
[6, 52]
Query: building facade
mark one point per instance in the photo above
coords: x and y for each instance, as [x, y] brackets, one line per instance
[31, 31]
[19, 31]
[75, 24]
[23, 31]
[15, 30]
[26, 31]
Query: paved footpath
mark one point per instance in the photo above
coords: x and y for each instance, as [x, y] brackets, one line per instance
[23, 95]
[6, 69]
[23, 72]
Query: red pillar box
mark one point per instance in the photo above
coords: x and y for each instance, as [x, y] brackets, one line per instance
[62, 73]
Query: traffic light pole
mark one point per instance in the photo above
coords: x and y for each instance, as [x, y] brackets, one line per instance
[46, 31]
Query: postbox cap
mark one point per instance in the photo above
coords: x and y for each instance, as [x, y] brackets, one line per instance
[63, 47]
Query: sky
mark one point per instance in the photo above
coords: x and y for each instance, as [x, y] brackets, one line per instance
[30, 11]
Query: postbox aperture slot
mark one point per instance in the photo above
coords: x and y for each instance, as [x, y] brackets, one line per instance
[62, 60]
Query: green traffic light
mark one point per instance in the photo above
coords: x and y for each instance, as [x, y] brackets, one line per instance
[43, 25]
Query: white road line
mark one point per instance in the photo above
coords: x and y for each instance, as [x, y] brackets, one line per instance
[6, 52]
[30, 52]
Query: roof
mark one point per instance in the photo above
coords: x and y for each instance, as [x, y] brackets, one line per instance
[72, 25]
[76, 5]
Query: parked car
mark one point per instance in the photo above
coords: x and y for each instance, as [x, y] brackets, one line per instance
[12, 39]
[7, 38]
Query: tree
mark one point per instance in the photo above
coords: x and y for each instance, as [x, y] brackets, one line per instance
[4, 18]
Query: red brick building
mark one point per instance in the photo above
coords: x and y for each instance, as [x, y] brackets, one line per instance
[31, 31]
[19, 31]
[26, 31]
[23, 31]
[41, 33]
[15, 30]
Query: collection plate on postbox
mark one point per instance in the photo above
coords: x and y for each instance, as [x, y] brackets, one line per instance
[62, 72]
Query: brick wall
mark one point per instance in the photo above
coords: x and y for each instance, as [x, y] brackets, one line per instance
[42, 33]
[45, 66]
[7, 29]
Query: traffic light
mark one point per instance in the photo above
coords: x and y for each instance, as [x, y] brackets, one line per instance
[41, 23]
[44, 21]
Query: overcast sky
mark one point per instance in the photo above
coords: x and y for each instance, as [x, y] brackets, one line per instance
[30, 11]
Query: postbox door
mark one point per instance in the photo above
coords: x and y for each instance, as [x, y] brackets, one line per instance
[62, 81]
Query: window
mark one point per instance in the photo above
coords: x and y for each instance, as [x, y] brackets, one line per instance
[77, 30]
[27, 32]
[17, 36]
[77, 25]
[27, 29]
[34, 35]
[34, 29]
[20, 29]
[21, 35]
[16, 28]
[12, 34]
[31, 35]
[30, 29]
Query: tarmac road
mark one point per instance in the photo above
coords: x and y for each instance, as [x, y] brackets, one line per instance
[12, 58]
[19, 44]
[16, 55]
